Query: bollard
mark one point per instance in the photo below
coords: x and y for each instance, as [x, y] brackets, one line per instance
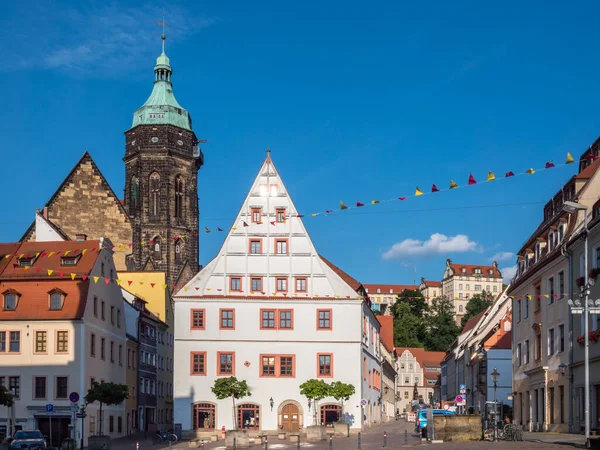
[330, 442]
[202, 444]
[405, 437]
[266, 443]
[137, 446]
[234, 444]
[384, 439]
[298, 444]
[169, 444]
[359, 448]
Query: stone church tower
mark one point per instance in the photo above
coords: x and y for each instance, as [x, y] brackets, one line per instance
[162, 159]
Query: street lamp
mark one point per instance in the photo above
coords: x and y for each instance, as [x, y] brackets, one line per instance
[572, 207]
[563, 368]
[495, 375]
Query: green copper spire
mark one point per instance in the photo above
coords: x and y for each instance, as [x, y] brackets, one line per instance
[161, 107]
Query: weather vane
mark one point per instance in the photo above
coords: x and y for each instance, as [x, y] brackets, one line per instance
[163, 24]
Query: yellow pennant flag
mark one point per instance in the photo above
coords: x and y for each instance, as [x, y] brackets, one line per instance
[314, 215]
[27, 267]
[418, 192]
[50, 272]
[342, 205]
[118, 281]
[453, 185]
[83, 251]
[66, 252]
[143, 242]
[164, 286]
[37, 254]
[206, 229]
[21, 255]
[72, 276]
[50, 254]
[7, 256]
[234, 228]
[374, 202]
[491, 176]
[547, 295]
[569, 159]
[141, 283]
[530, 171]
[96, 279]
[528, 297]
[185, 288]
[121, 247]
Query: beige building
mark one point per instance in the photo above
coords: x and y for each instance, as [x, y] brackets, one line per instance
[540, 291]
[462, 281]
[430, 289]
[418, 370]
[62, 327]
[383, 296]
[388, 368]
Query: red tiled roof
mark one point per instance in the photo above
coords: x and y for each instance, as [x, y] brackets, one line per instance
[387, 331]
[473, 321]
[33, 286]
[389, 288]
[343, 275]
[425, 358]
[432, 283]
[588, 171]
[470, 268]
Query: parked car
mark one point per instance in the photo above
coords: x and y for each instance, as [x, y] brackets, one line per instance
[421, 420]
[28, 439]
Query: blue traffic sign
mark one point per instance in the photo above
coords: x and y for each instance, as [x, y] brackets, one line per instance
[49, 408]
[74, 397]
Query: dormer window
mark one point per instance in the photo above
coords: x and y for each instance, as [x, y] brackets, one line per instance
[57, 300]
[26, 261]
[11, 298]
[478, 271]
[464, 270]
[69, 260]
[378, 291]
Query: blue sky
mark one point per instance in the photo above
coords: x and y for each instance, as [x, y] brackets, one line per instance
[357, 100]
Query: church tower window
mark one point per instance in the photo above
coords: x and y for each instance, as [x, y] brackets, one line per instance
[156, 247]
[134, 194]
[154, 194]
[179, 196]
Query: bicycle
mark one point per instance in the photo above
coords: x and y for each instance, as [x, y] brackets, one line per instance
[488, 434]
[512, 432]
[163, 437]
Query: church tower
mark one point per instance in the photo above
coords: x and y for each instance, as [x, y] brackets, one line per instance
[162, 159]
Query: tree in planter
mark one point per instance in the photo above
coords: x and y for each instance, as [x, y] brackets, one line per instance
[231, 387]
[315, 390]
[106, 394]
[341, 392]
[6, 398]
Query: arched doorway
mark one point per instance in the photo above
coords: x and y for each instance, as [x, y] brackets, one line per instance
[204, 416]
[248, 416]
[290, 416]
[330, 413]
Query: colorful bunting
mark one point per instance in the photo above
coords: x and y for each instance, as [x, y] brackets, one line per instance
[453, 185]
[73, 276]
[434, 188]
[491, 176]
[418, 192]
[549, 165]
[96, 279]
[50, 272]
[530, 171]
[342, 206]
[374, 202]
[472, 179]
[569, 159]
[359, 204]
[509, 174]
[206, 229]
[401, 198]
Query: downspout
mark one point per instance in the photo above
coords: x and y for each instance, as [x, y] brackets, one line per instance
[571, 396]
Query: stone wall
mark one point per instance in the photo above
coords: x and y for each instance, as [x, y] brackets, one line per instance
[457, 427]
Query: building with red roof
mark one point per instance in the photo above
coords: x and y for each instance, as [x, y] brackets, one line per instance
[383, 296]
[418, 370]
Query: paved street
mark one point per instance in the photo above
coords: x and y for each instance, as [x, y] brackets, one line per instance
[373, 439]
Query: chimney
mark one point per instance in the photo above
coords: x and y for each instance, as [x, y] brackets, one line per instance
[45, 212]
[80, 237]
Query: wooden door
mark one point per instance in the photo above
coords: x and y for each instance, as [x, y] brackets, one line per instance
[290, 418]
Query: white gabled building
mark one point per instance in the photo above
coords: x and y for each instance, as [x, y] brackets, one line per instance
[269, 310]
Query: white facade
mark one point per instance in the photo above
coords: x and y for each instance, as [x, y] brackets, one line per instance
[270, 311]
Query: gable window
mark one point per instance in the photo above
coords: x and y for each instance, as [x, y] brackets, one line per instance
[177, 252]
[134, 197]
[285, 319]
[62, 341]
[40, 341]
[324, 319]
[255, 214]
[325, 365]
[10, 300]
[267, 318]
[197, 319]
[256, 284]
[281, 246]
[281, 284]
[179, 189]
[26, 261]
[56, 300]
[255, 246]
[154, 194]
[227, 319]
[226, 364]
[198, 363]
[280, 215]
[235, 284]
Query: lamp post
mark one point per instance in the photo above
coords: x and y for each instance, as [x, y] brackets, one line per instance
[576, 308]
[495, 375]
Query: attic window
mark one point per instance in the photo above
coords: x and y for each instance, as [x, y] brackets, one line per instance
[69, 260]
[478, 271]
[11, 298]
[464, 270]
[491, 272]
[57, 300]
[378, 291]
[26, 261]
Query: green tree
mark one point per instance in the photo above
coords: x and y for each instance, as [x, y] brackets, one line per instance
[315, 390]
[441, 325]
[107, 394]
[408, 328]
[416, 301]
[231, 387]
[477, 304]
[341, 392]
[6, 398]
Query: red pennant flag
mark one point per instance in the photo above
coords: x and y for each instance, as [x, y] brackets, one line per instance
[592, 157]
[347, 296]
[84, 277]
[272, 223]
[130, 281]
[300, 216]
[107, 280]
[434, 188]
[113, 247]
[44, 254]
[509, 174]
[401, 198]
[129, 245]
[285, 294]
[245, 224]
[329, 211]
[472, 179]
[176, 238]
[37, 269]
[61, 274]
[219, 229]
[549, 165]
[152, 284]
[262, 293]
[359, 204]
[196, 234]
[58, 253]
[175, 287]
[197, 288]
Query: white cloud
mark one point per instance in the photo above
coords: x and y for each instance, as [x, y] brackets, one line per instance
[437, 244]
[508, 273]
[502, 256]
